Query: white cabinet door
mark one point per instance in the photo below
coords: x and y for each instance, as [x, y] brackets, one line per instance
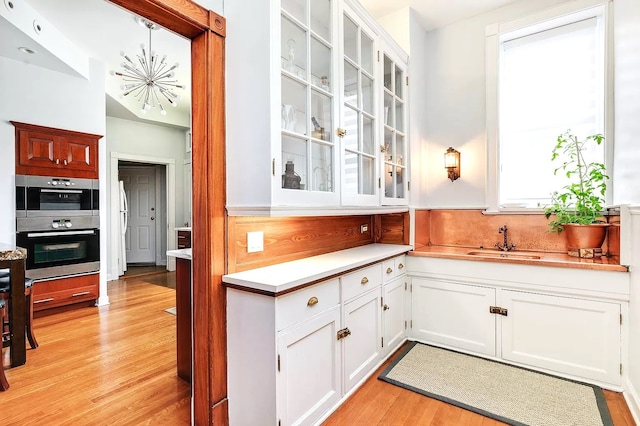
[363, 347]
[308, 383]
[454, 315]
[394, 146]
[394, 314]
[572, 336]
[359, 109]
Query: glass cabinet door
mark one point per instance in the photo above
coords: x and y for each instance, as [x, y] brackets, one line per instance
[358, 114]
[307, 95]
[394, 147]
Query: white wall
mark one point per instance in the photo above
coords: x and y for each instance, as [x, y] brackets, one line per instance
[626, 172]
[398, 25]
[146, 140]
[39, 96]
[455, 107]
[418, 106]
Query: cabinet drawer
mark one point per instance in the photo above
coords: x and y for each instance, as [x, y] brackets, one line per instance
[295, 307]
[64, 291]
[184, 239]
[64, 297]
[393, 268]
[360, 281]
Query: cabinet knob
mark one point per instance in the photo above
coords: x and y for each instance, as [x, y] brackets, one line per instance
[364, 280]
[385, 307]
[342, 132]
[57, 162]
[389, 270]
[400, 266]
[65, 162]
[312, 301]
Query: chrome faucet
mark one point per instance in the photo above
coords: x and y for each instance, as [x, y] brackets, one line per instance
[505, 246]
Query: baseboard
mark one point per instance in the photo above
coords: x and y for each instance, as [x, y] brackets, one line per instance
[633, 401]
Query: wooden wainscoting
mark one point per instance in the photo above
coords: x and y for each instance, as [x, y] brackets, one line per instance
[292, 238]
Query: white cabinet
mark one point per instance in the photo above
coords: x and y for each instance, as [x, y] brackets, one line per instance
[295, 357]
[394, 147]
[363, 345]
[394, 312]
[573, 336]
[566, 335]
[305, 114]
[454, 315]
[309, 367]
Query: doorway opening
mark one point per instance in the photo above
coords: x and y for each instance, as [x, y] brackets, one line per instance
[153, 202]
[143, 215]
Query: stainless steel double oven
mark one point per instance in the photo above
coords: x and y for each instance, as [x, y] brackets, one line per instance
[58, 222]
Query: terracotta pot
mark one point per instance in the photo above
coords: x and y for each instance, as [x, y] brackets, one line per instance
[585, 240]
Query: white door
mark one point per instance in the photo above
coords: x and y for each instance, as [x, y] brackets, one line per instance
[454, 315]
[394, 313]
[574, 336]
[363, 347]
[309, 367]
[140, 188]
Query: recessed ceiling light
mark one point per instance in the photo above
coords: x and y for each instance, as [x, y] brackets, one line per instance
[27, 50]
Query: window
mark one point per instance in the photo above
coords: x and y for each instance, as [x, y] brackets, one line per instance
[549, 77]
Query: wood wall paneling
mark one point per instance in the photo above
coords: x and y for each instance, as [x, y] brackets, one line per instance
[292, 238]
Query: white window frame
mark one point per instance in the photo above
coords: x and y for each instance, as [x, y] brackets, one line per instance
[541, 21]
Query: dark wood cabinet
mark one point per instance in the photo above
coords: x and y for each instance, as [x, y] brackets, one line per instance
[184, 239]
[65, 291]
[46, 151]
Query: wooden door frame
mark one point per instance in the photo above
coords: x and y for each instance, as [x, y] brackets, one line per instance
[207, 30]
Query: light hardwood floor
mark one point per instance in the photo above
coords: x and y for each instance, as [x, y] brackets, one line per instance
[115, 365]
[111, 365]
[381, 403]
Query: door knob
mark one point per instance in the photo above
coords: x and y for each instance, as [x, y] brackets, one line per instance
[153, 218]
[153, 209]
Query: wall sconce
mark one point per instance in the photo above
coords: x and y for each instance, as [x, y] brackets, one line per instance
[452, 163]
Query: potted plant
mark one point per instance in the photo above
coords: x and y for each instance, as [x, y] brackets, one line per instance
[578, 206]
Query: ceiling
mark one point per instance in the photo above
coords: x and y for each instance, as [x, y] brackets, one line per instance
[102, 30]
[435, 13]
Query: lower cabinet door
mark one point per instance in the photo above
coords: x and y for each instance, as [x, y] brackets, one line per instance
[455, 315]
[394, 314]
[363, 347]
[308, 380]
[571, 336]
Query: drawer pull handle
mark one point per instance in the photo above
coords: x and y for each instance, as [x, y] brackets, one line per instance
[364, 280]
[312, 301]
[49, 299]
[389, 270]
[401, 266]
[82, 293]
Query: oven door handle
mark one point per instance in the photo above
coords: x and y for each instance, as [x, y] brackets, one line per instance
[59, 233]
[62, 191]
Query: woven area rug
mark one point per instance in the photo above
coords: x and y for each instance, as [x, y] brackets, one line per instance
[506, 393]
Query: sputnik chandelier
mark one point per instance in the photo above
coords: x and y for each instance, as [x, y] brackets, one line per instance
[150, 81]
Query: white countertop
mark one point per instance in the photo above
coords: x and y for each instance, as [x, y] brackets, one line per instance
[181, 253]
[287, 275]
[184, 228]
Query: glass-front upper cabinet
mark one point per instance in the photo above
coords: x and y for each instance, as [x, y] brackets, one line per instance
[394, 145]
[358, 119]
[308, 151]
[305, 109]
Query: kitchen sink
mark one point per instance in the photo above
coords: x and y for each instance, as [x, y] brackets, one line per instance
[503, 255]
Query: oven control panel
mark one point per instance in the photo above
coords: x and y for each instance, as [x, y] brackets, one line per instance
[60, 182]
[61, 223]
